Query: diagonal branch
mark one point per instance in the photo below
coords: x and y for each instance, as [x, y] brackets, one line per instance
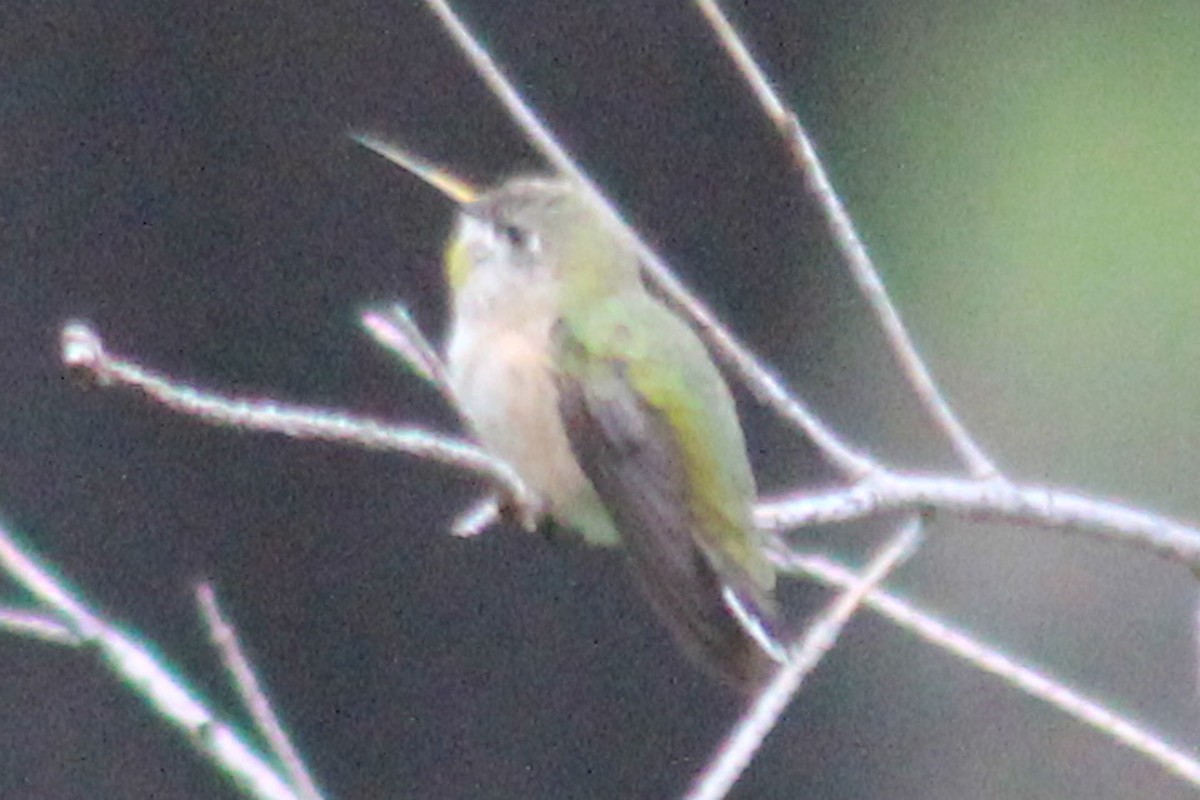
[768, 387]
[854, 252]
[1029, 680]
[252, 694]
[744, 741]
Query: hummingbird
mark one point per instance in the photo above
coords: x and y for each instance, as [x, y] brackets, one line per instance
[608, 406]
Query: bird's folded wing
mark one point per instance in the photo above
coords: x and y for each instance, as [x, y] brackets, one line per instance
[632, 455]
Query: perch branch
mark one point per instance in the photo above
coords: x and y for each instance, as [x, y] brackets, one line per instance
[83, 351]
[986, 500]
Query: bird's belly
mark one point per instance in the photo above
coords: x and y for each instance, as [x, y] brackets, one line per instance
[506, 387]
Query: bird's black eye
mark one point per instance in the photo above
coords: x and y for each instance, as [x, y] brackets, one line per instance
[518, 237]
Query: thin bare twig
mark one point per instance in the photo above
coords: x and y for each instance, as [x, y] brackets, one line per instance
[767, 386]
[744, 741]
[152, 680]
[224, 638]
[985, 657]
[36, 625]
[986, 500]
[395, 329]
[854, 252]
[83, 350]
[476, 519]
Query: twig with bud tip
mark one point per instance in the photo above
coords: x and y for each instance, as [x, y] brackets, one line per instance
[83, 351]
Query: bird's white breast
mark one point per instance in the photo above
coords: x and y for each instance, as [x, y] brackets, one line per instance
[504, 379]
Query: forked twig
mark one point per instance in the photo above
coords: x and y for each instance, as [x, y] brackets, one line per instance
[224, 638]
[395, 329]
[853, 251]
[747, 736]
[138, 667]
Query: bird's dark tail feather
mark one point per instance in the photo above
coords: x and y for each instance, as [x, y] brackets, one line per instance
[733, 635]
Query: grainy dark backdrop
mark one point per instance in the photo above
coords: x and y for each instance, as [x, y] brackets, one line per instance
[177, 174]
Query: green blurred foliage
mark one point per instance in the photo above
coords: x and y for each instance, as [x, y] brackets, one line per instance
[1027, 176]
[1033, 171]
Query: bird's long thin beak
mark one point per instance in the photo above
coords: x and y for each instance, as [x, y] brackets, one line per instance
[450, 185]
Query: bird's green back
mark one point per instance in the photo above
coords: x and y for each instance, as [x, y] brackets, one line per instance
[672, 373]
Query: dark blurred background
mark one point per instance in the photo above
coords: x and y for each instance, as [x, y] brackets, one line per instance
[177, 173]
